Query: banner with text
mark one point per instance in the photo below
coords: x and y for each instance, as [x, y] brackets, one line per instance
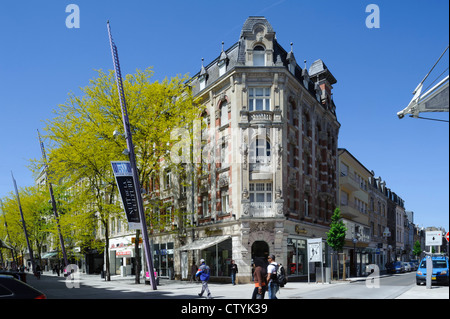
[125, 183]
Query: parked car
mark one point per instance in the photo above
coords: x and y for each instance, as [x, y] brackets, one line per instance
[22, 276]
[416, 263]
[395, 267]
[440, 270]
[407, 266]
[12, 288]
[413, 265]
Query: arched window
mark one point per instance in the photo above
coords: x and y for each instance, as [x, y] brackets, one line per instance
[223, 113]
[259, 56]
[260, 151]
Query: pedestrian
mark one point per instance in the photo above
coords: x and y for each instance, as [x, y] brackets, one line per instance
[203, 273]
[37, 273]
[233, 272]
[271, 277]
[194, 269]
[259, 275]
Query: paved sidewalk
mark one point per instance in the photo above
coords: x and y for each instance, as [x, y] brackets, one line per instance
[175, 289]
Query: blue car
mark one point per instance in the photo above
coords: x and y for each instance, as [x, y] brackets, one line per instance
[440, 271]
[395, 267]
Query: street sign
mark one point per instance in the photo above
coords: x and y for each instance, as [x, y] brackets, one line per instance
[446, 236]
[433, 238]
[125, 183]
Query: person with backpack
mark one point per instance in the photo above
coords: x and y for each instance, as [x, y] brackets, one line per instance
[272, 269]
[203, 273]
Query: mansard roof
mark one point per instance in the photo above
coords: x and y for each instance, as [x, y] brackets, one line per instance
[235, 57]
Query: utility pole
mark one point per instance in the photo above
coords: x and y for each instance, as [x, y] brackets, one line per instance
[24, 225]
[7, 235]
[128, 137]
[52, 197]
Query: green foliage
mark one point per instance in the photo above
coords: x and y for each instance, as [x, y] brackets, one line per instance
[336, 235]
[417, 250]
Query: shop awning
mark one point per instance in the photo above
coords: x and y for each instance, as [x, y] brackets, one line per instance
[5, 245]
[204, 243]
[49, 255]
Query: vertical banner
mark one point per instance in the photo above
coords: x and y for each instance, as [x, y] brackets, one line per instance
[125, 183]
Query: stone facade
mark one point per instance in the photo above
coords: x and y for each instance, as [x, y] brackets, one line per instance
[268, 173]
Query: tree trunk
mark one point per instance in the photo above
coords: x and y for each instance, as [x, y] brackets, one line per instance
[107, 273]
[137, 263]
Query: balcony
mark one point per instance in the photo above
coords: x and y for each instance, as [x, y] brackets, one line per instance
[348, 181]
[261, 117]
[261, 210]
[260, 164]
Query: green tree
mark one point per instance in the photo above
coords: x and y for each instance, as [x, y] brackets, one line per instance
[336, 234]
[417, 250]
[82, 144]
[36, 213]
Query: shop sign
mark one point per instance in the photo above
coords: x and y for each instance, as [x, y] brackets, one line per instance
[123, 253]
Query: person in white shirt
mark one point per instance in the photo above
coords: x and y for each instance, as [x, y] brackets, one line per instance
[271, 277]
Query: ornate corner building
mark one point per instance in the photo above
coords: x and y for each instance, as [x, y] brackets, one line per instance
[268, 179]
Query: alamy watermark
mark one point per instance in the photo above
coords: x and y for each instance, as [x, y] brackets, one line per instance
[73, 276]
[373, 19]
[373, 280]
[73, 19]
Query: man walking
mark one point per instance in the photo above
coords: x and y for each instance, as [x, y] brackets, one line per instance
[271, 277]
[203, 273]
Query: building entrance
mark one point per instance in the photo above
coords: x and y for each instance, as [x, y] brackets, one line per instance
[260, 249]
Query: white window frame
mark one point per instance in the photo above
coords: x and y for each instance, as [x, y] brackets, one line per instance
[259, 56]
[259, 99]
[205, 206]
[261, 194]
[224, 113]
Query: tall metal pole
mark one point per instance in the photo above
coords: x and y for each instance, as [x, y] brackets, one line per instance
[128, 137]
[7, 235]
[52, 197]
[24, 225]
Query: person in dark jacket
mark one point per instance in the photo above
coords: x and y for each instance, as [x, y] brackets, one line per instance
[233, 272]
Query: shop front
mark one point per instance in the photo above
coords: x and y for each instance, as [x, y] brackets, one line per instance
[163, 260]
[121, 256]
[296, 257]
[216, 251]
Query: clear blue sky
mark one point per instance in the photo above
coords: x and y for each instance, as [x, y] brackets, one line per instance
[41, 61]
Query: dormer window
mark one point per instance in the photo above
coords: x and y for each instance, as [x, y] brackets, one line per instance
[202, 77]
[202, 81]
[222, 64]
[222, 67]
[259, 56]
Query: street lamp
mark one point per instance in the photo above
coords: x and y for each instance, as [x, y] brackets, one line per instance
[354, 240]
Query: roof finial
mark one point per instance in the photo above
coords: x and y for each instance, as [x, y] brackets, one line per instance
[292, 45]
[222, 45]
[304, 61]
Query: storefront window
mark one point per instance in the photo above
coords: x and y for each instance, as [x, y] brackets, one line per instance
[218, 258]
[296, 257]
[163, 259]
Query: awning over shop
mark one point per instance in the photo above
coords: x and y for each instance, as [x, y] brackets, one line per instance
[4, 245]
[49, 255]
[204, 243]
